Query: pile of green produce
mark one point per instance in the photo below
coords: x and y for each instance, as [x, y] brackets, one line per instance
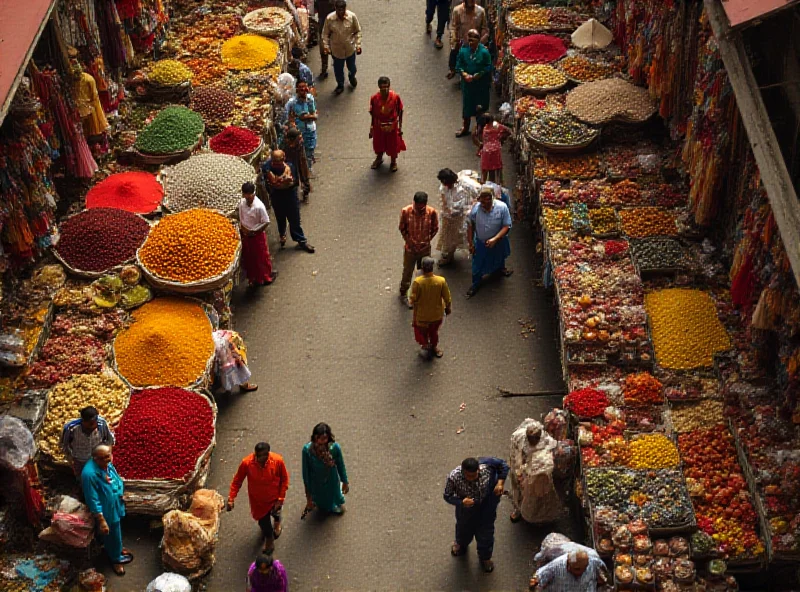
[174, 129]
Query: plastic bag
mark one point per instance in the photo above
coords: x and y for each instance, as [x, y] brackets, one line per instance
[16, 443]
[169, 582]
[92, 581]
[190, 537]
[72, 525]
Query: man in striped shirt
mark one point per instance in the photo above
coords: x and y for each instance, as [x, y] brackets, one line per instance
[419, 223]
[81, 436]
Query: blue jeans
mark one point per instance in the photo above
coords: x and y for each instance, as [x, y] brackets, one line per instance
[287, 209]
[338, 69]
[442, 10]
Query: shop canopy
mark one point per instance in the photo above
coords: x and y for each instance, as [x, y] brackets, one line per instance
[742, 12]
[21, 25]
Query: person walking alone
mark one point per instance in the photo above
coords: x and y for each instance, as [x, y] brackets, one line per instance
[442, 10]
[491, 148]
[267, 574]
[430, 297]
[341, 38]
[419, 223]
[267, 483]
[475, 488]
[282, 180]
[386, 131]
[253, 221]
[324, 473]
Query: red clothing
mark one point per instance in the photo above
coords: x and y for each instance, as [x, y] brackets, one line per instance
[256, 262]
[427, 335]
[418, 230]
[385, 124]
[265, 485]
[492, 150]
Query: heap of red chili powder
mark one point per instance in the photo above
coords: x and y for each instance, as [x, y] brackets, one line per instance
[236, 141]
[162, 434]
[139, 193]
[538, 49]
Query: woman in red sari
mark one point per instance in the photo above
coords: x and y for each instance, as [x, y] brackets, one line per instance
[386, 111]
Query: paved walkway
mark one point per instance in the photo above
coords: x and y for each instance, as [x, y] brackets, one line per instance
[329, 341]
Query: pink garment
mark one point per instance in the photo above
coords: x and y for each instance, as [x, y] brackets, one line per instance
[492, 151]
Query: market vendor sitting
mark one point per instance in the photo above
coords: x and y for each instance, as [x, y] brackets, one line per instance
[580, 570]
[80, 436]
[102, 490]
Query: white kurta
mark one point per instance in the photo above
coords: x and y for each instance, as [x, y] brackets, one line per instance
[532, 488]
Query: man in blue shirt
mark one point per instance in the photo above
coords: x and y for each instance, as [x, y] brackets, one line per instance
[281, 180]
[487, 236]
[475, 488]
[102, 490]
[299, 70]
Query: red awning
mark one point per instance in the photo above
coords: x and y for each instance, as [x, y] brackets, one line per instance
[21, 25]
[741, 12]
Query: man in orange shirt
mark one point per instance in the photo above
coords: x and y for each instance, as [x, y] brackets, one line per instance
[267, 482]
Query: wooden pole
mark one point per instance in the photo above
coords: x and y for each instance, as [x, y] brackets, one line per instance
[774, 175]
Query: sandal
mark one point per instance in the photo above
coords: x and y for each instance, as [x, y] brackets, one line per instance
[456, 550]
[487, 565]
[507, 272]
[451, 75]
[127, 553]
[283, 242]
[471, 292]
[248, 388]
[462, 133]
[277, 530]
[515, 516]
[393, 168]
[437, 352]
[376, 163]
[118, 569]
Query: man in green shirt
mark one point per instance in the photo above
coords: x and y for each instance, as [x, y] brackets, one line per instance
[430, 299]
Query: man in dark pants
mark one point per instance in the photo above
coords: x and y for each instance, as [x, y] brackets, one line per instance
[442, 10]
[324, 8]
[282, 179]
[475, 489]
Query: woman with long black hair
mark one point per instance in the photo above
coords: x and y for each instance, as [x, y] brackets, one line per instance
[324, 473]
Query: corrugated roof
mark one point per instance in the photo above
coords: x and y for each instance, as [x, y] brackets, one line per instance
[21, 25]
[741, 12]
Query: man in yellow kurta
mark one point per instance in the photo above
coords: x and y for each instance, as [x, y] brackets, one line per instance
[430, 299]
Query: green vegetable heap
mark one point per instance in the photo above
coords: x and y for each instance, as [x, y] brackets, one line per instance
[173, 129]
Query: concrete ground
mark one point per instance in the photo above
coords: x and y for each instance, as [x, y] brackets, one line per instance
[329, 341]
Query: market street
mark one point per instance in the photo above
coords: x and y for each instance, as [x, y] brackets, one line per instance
[329, 341]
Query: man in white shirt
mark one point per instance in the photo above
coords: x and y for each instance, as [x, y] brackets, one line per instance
[253, 219]
[341, 38]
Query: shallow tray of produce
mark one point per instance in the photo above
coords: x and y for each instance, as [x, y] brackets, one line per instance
[159, 159]
[269, 22]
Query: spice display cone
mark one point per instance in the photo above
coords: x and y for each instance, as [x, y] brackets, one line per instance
[592, 35]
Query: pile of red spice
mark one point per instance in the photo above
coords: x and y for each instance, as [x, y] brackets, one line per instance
[139, 193]
[162, 434]
[236, 141]
[538, 49]
[98, 239]
[615, 247]
[586, 402]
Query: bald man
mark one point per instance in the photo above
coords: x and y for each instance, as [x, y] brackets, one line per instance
[577, 571]
[281, 179]
[102, 490]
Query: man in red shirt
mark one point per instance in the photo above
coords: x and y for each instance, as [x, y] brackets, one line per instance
[419, 223]
[267, 482]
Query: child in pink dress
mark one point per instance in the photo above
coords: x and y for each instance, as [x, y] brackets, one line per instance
[494, 133]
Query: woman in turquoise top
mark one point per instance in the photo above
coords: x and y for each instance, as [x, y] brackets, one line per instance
[324, 474]
[475, 66]
[102, 490]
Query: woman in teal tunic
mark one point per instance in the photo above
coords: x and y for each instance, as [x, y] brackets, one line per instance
[475, 66]
[324, 474]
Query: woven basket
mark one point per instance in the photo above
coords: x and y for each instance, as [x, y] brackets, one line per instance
[91, 275]
[278, 29]
[206, 285]
[156, 497]
[146, 159]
